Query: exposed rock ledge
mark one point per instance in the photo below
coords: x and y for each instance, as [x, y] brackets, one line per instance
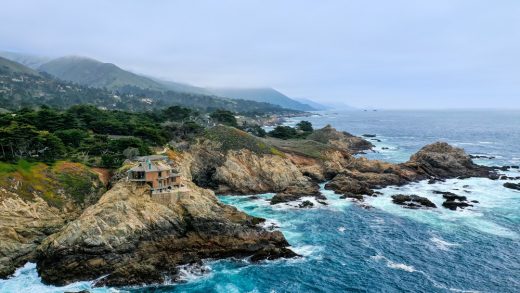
[133, 240]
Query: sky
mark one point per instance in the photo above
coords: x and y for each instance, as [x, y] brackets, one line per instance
[374, 53]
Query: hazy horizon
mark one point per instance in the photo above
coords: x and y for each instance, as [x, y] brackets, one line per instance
[377, 54]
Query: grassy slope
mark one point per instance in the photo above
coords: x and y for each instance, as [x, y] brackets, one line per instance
[56, 184]
[305, 147]
[234, 139]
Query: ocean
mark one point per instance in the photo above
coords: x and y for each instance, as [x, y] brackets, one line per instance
[386, 248]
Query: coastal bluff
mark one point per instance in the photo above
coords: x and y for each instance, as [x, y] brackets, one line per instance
[128, 239]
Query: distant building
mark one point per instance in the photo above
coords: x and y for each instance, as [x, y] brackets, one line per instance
[157, 172]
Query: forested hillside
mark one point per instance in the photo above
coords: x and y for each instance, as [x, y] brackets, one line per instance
[22, 87]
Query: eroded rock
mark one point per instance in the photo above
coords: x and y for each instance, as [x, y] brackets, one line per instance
[134, 240]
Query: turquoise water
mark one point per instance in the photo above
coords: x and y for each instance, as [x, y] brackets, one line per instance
[347, 248]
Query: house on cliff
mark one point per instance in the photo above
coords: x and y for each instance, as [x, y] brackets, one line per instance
[157, 172]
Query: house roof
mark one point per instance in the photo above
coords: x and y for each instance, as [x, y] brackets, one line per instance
[152, 158]
[151, 166]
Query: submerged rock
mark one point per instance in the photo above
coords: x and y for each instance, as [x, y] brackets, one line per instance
[131, 239]
[412, 201]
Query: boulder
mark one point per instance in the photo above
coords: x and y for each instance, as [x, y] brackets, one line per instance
[441, 160]
[510, 185]
[454, 204]
[412, 201]
[450, 195]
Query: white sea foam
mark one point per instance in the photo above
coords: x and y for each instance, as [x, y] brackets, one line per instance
[341, 229]
[192, 272]
[307, 250]
[26, 279]
[394, 265]
[491, 197]
[442, 244]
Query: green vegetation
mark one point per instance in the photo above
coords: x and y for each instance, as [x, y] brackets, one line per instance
[224, 117]
[231, 138]
[304, 147]
[88, 134]
[22, 87]
[302, 130]
[304, 126]
[31, 179]
[254, 129]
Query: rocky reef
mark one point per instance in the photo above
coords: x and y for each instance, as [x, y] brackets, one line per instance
[412, 201]
[129, 239]
[435, 162]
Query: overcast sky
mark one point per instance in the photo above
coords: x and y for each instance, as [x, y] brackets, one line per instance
[384, 54]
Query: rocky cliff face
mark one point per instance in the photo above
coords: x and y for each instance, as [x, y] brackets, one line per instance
[130, 239]
[36, 201]
[234, 162]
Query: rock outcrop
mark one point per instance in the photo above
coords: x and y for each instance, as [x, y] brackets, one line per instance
[441, 160]
[130, 239]
[38, 201]
[340, 139]
[435, 162]
[510, 185]
[412, 201]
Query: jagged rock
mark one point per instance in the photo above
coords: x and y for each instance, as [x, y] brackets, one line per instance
[412, 201]
[369, 135]
[306, 204]
[510, 185]
[481, 157]
[444, 161]
[453, 205]
[346, 185]
[353, 196]
[134, 240]
[322, 202]
[450, 195]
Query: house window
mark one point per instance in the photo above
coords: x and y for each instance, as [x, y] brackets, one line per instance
[160, 174]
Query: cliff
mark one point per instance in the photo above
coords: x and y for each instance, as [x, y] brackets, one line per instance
[129, 239]
[231, 161]
[36, 200]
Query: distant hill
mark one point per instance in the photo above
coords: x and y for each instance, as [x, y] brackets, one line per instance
[181, 87]
[30, 61]
[10, 67]
[313, 104]
[21, 86]
[93, 73]
[266, 95]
